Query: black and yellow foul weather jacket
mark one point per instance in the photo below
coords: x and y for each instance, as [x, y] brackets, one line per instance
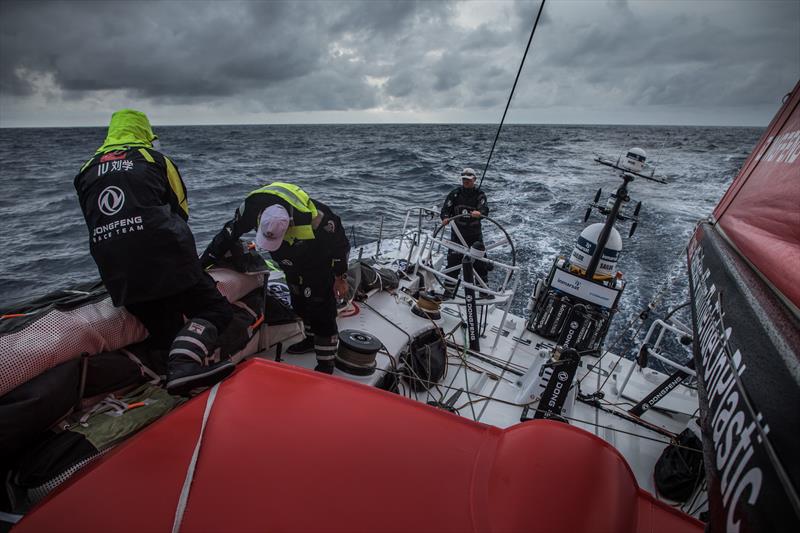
[315, 240]
[135, 205]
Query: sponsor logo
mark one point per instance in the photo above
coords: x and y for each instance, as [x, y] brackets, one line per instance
[120, 226]
[281, 291]
[556, 325]
[585, 246]
[666, 389]
[733, 428]
[562, 377]
[194, 327]
[605, 299]
[471, 327]
[114, 166]
[573, 329]
[572, 284]
[113, 156]
[287, 262]
[307, 292]
[592, 292]
[783, 149]
[330, 227]
[111, 200]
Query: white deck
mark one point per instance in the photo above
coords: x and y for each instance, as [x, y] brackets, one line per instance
[495, 385]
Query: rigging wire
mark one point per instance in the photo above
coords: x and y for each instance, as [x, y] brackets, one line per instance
[484, 398]
[641, 317]
[510, 96]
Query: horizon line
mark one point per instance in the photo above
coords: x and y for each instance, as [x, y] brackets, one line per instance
[405, 124]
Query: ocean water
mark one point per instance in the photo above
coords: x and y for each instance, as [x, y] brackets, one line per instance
[539, 183]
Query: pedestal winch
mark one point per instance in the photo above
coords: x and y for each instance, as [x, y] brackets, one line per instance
[357, 351]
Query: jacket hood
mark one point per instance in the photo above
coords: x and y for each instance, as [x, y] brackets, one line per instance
[128, 127]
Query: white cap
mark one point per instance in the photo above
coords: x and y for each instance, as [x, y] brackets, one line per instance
[272, 227]
[468, 173]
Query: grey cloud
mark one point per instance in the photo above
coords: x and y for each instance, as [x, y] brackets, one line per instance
[186, 48]
[326, 55]
[684, 59]
[400, 85]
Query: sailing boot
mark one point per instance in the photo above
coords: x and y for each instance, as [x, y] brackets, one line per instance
[325, 348]
[304, 346]
[185, 370]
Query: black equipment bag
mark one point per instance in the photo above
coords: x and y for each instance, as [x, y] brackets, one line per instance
[426, 360]
[58, 455]
[679, 470]
[369, 277]
[278, 303]
[30, 409]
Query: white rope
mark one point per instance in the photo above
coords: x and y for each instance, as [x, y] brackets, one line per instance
[155, 379]
[187, 483]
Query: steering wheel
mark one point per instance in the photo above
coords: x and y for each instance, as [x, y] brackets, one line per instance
[498, 243]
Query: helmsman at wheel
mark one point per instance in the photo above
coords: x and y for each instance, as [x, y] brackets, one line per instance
[465, 205]
[308, 241]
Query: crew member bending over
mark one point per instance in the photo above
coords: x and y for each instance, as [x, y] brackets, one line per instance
[309, 243]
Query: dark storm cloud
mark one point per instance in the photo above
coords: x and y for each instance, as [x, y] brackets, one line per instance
[397, 55]
[173, 50]
[738, 54]
[156, 49]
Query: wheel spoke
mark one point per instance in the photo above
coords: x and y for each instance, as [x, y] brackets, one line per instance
[479, 280]
[458, 234]
[457, 244]
[496, 244]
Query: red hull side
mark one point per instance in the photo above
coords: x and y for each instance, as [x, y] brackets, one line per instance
[760, 213]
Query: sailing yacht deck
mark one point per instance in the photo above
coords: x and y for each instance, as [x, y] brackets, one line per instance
[502, 383]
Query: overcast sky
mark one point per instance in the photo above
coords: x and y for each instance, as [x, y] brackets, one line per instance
[716, 62]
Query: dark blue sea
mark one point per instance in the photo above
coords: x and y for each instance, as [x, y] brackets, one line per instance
[539, 183]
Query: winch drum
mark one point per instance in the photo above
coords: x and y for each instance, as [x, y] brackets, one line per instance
[357, 352]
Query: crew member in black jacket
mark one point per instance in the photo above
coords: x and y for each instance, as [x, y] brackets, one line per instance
[309, 243]
[465, 200]
[134, 202]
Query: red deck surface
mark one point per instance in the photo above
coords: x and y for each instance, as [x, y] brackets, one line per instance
[290, 450]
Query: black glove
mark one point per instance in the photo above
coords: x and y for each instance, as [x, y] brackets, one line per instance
[207, 260]
[218, 247]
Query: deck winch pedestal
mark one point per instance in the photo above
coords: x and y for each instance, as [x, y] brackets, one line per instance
[427, 306]
[357, 352]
